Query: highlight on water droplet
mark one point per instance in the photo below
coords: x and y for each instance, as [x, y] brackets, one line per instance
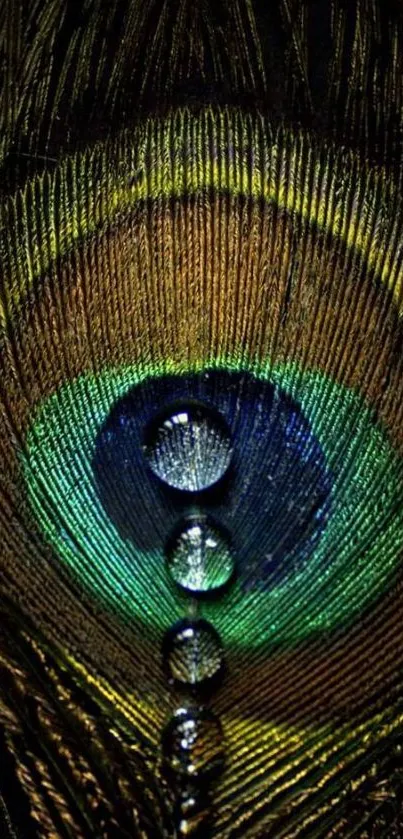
[192, 653]
[188, 446]
[193, 745]
[199, 555]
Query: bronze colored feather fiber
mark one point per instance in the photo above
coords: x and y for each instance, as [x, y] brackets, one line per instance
[201, 439]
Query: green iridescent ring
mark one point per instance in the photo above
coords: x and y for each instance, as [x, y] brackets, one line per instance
[324, 596]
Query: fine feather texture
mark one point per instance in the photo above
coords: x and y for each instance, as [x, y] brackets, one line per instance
[201, 202]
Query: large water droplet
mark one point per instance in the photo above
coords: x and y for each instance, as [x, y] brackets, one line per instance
[199, 555]
[193, 745]
[192, 652]
[188, 446]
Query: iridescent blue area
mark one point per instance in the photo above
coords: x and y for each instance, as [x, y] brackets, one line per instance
[274, 500]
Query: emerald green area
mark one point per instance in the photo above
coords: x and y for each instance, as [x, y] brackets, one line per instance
[352, 564]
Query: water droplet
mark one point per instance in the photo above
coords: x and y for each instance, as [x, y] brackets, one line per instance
[193, 745]
[192, 816]
[188, 446]
[192, 652]
[199, 555]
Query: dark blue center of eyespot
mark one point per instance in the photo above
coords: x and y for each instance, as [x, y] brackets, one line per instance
[275, 499]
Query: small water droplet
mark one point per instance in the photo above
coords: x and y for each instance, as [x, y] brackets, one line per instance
[192, 815]
[192, 652]
[188, 446]
[192, 744]
[199, 555]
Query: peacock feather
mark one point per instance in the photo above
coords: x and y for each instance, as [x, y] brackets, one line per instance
[201, 436]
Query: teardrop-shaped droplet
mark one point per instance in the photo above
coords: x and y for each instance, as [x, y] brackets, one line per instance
[192, 744]
[199, 555]
[192, 652]
[188, 447]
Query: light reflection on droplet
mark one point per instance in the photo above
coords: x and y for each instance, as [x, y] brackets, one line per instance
[188, 447]
[199, 556]
[192, 653]
[192, 745]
